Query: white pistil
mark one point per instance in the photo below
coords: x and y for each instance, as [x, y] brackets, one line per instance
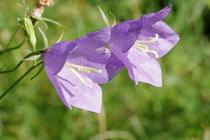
[152, 40]
[153, 52]
[77, 68]
[84, 68]
[143, 45]
[80, 77]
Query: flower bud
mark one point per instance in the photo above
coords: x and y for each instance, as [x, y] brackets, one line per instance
[30, 31]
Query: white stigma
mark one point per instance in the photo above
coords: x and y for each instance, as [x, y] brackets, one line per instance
[150, 41]
[77, 68]
[84, 68]
[143, 45]
[81, 79]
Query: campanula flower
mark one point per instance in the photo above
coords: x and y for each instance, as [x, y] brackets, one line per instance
[76, 68]
[139, 43]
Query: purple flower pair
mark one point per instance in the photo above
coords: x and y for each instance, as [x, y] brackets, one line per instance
[77, 68]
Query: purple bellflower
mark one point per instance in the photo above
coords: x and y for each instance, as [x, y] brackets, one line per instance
[76, 68]
[139, 43]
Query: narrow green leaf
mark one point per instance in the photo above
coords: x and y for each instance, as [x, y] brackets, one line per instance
[33, 58]
[114, 19]
[60, 38]
[105, 18]
[44, 37]
[50, 21]
[30, 31]
[44, 24]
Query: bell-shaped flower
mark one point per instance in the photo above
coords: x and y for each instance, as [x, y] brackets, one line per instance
[76, 68]
[139, 43]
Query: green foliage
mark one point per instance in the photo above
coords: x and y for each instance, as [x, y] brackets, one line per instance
[178, 110]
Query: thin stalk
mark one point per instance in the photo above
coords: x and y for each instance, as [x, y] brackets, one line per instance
[13, 69]
[19, 80]
[38, 72]
[19, 64]
[13, 48]
[12, 38]
[102, 121]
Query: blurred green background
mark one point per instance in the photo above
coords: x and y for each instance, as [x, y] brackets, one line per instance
[180, 110]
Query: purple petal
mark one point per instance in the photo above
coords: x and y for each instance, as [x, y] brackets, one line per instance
[168, 38]
[94, 52]
[124, 35]
[113, 66]
[85, 94]
[124, 59]
[122, 39]
[145, 68]
[98, 74]
[151, 18]
[93, 46]
[56, 56]
[54, 81]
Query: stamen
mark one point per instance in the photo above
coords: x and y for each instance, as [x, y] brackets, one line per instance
[143, 45]
[84, 68]
[153, 52]
[82, 80]
[152, 40]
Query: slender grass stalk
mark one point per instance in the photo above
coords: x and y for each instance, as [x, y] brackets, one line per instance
[19, 80]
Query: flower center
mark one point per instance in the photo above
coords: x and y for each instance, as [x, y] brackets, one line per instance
[78, 68]
[84, 68]
[143, 45]
[104, 50]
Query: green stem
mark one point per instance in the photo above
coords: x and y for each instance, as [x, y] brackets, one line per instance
[38, 72]
[19, 80]
[13, 48]
[12, 38]
[19, 64]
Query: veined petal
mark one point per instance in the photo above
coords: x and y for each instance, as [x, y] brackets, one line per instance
[89, 46]
[56, 56]
[98, 74]
[85, 94]
[168, 38]
[58, 88]
[124, 59]
[124, 35]
[113, 66]
[145, 68]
